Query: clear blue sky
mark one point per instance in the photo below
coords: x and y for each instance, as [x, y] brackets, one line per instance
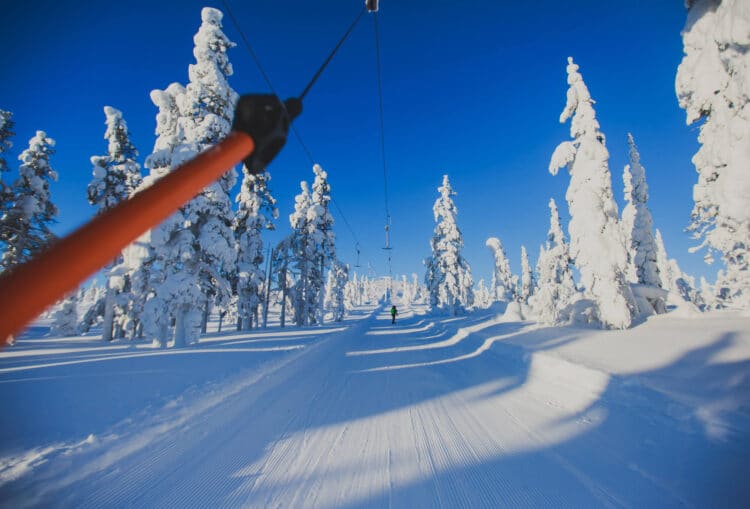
[471, 89]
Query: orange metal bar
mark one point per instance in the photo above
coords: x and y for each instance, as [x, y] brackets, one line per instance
[30, 288]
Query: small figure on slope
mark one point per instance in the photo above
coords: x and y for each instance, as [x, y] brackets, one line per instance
[394, 312]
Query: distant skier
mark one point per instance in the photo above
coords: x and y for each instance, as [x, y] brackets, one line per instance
[393, 314]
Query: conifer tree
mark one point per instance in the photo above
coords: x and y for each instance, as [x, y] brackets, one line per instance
[596, 241]
[256, 210]
[65, 318]
[195, 247]
[637, 224]
[116, 176]
[6, 133]
[26, 225]
[555, 287]
[711, 86]
[313, 248]
[167, 242]
[503, 286]
[448, 276]
[335, 301]
[527, 277]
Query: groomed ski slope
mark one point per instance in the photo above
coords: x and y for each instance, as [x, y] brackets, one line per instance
[472, 411]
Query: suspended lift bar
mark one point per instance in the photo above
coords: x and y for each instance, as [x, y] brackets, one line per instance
[259, 132]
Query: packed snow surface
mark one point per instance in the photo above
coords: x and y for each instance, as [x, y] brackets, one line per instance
[469, 411]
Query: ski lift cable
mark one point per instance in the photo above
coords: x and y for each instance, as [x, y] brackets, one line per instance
[248, 46]
[333, 52]
[265, 76]
[382, 127]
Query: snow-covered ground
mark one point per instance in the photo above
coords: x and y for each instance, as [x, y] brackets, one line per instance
[474, 411]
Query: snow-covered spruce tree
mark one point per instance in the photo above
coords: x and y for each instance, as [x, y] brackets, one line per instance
[637, 224]
[25, 229]
[712, 86]
[6, 133]
[527, 277]
[596, 242]
[256, 211]
[65, 318]
[194, 248]
[482, 296]
[206, 112]
[335, 301]
[448, 277]
[302, 258]
[116, 176]
[555, 289]
[323, 237]
[672, 279]
[168, 247]
[313, 248]
[503, 286]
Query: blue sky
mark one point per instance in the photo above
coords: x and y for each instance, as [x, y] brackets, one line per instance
[471, 89]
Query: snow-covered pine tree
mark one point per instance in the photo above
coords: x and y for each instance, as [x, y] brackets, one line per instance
[65, 318]
[25, 230]
[6, 133]
[338, 277]
[503, 286]
[527, 277]
[637, 224]
[116, 176]
[303, 257]
[671, 278]
[555, 289]
[637, 227]
[324, 237]
[708, 295]
[194, 248]
[256, 212]
[482, 296]
[168, 246]
[596, 242]
[711, 86]
[448, 277]
[206, 112]
[313, 248]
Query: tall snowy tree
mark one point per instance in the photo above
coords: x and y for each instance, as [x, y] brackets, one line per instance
[65, 318]
[335, 301]
[6, 192]
[555, 286]
[712, 87]
[313, 247]
[503, 285]
[596, 241]
[195, 247]
[527, 277]
[6, 133]
[166, 242]
[448, 276]
[206, 112]
[26, 225]
[637, 224]
[303, 257]
[256, 211]
[116, 176]
[671, 278]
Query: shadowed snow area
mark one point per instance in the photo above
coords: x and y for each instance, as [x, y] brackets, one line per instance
[472, 411]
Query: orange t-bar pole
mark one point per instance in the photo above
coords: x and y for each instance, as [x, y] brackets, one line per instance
[27, 290]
